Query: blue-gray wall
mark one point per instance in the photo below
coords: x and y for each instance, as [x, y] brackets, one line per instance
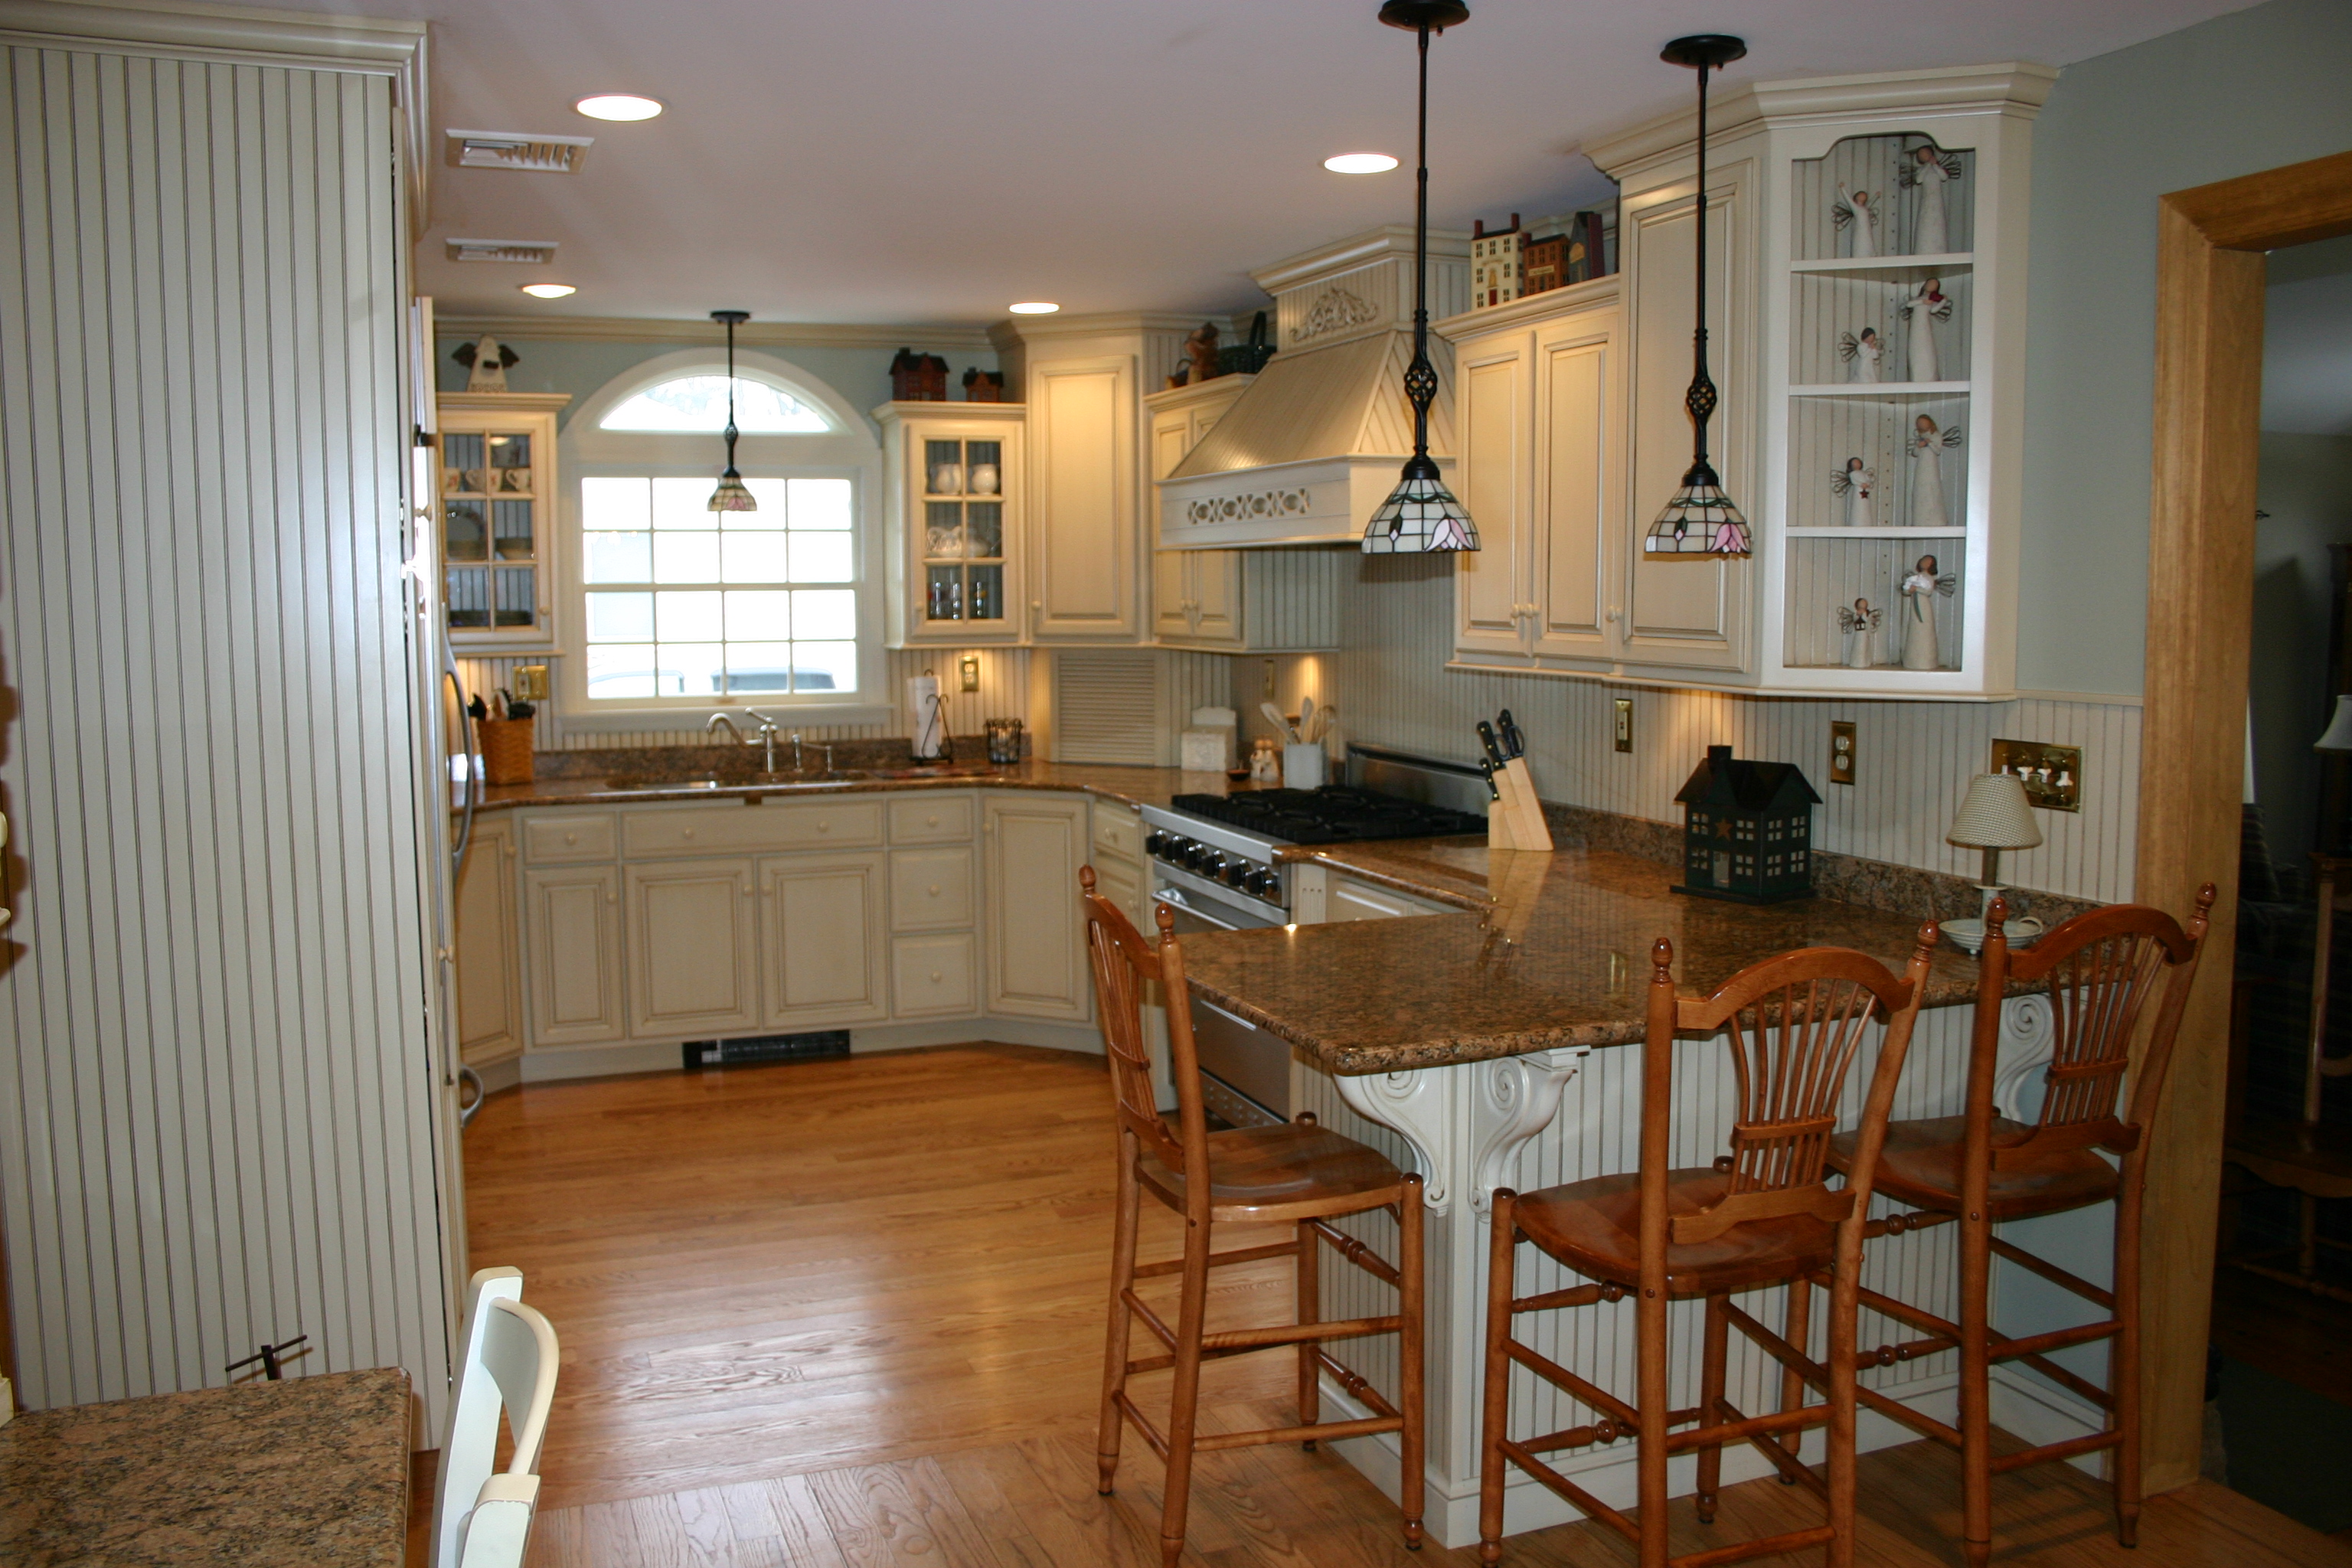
[2242, 93]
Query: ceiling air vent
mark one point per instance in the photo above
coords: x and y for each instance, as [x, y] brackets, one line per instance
[532, 252]
[517, 150]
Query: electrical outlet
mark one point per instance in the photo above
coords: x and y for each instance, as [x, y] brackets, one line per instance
[1842, 751]
[1269, 679]
[968, 666]
[1622, 735]
[2052, 776]
[530, 683]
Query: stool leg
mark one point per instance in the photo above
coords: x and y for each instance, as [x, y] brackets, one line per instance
[1714, 1352]
[1411, 1397]
[1845, 1304]
[2123, 1360]
[1122, 1279]
[1976, 1389]
[1800, 1328]
[1184, 1399]
[1494, 1415]
[1310, 1310]
[1652, 1403]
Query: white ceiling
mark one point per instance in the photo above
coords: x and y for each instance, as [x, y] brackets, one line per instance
[910, 160]
[2308, 341]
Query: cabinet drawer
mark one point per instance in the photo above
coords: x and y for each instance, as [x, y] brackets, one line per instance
[1120, 830]
[547, 840]
[934, 976]
[719, 829]
[932, 819]
[1353, 900]
[931, 889]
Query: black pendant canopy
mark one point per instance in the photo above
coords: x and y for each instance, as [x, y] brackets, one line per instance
[1699, 520]
[1421, 515]
[731, 495]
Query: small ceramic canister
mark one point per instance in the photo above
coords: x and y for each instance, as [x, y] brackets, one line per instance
[983, 479]
[946, 478]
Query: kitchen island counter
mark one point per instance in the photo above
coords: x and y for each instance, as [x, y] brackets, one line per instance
[1549, 951]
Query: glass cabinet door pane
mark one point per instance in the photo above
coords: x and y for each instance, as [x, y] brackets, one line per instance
[510, 463]
[510, 529]
[943, 594]
[984, 529]
[466, 531]
[470, 597]
[943, 530]
[462, 468]
[517, 597]
[987, 594]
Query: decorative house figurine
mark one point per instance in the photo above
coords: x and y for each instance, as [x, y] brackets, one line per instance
[1543, 264]
[1922, 310]
[1920, 651]
[1747, 830]
[917, 378]
[1859, 625]
[1928, 168]
[1855, 483]
[1862, 354]
[1928, 472]
[983, 385]
[1852, 209]
[1497, 265]
[486, 360]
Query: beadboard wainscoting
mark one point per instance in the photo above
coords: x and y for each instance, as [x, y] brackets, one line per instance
[1393, 688]
[216, 1082]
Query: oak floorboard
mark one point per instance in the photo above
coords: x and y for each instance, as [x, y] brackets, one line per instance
[904, 1515]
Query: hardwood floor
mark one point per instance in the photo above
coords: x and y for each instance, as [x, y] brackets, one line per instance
[849, 1313]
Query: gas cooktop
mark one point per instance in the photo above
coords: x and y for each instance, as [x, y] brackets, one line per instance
[1332, 814]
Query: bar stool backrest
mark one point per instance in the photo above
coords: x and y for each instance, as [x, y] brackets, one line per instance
[1124, 962]
[1794, 1026]
[2102, 968]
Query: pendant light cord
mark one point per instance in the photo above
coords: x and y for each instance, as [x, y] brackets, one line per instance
[730, 397]
[1420, 377]
[1702, 398]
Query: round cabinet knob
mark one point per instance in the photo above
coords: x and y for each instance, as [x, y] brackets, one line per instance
[931, 822]
[571, 838]
[686, 833]
[935, 977]
[935, 889]
[825, 828]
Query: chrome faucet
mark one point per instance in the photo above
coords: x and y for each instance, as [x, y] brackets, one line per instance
[721, 721]
[798, 766]
[769, 731]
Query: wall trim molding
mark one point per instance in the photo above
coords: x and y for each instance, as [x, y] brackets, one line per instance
[754, 334]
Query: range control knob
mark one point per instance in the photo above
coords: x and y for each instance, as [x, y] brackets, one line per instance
[1153, 843]
[1264, 884]
[1236, 873]
[1210, 863]
[1189, 852]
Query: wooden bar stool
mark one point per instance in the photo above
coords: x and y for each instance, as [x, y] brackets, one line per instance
[1762, 1215]
[1297, 1173]
[1982, 1168]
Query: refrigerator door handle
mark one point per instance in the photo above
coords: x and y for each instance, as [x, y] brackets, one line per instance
[473, 779]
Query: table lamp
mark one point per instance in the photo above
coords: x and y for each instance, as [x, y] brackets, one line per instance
[1995, 815]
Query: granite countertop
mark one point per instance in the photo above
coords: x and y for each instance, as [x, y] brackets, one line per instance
[1550, 950]
[1132, 786]
[311, 1472]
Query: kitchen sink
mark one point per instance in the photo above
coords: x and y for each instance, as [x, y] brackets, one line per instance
[634, 781]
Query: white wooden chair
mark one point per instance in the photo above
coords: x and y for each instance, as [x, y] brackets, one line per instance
[481, 1516]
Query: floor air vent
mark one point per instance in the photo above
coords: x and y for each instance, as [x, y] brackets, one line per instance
[814, 1045]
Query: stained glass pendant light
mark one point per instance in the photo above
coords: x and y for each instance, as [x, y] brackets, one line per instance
[1700, 520]
[1420, 514]
[731, 494]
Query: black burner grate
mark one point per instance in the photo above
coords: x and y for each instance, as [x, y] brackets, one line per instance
[1332, 814]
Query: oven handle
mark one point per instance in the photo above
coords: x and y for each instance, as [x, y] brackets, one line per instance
[1220, 1012]
[1174, 898]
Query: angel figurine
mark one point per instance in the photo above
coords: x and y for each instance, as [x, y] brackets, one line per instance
[1852, 209]
[1861, 353]
[1919, 590]
[1922, 310]
[1855, 483]
[1858, 624]
[1930, 168]
[1928, 472]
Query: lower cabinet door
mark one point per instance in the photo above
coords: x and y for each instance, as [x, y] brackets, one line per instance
[692, 968]
[935, 976]
[489, 972]
[1033, 846]
[571, 930]
[824, 933]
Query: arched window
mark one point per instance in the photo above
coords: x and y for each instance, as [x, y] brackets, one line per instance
[699, 403]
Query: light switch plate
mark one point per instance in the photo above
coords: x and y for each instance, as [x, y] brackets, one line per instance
[1622, 735]
[1843, 754]
[530, 683]
[2052, 774]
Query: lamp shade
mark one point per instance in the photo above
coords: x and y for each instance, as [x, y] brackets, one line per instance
[1995, 815]
[1421, 515]
[2339, 729]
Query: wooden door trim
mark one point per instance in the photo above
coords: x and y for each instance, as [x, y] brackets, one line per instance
[2210, 275]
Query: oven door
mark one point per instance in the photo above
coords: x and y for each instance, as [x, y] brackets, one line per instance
[1244, 1070]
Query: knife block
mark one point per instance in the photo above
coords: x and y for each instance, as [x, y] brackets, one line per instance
[1514, 820]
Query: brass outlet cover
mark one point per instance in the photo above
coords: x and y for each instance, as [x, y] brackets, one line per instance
[968, 669]
[1622, 730]
[1842, 751]
[2052, 774]
[530, 683]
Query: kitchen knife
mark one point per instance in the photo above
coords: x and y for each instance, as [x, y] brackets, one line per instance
[1513, 743]
[477, 708]
[1494, 747]
[1494, 791]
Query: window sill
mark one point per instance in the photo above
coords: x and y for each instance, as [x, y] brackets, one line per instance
[811, 715]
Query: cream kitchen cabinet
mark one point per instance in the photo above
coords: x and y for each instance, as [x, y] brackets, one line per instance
[692, 964]
[571, 924]
[1085, 526]
[824, 937]
[1032, 846]
[1195, 593]
[957, 524]
[489, 948]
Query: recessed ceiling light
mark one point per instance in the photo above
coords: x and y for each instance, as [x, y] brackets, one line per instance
[618, 106]
[1361, 164]
[548, 290]
[1033, 308]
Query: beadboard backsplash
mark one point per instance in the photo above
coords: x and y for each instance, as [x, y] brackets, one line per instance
[1390, 685]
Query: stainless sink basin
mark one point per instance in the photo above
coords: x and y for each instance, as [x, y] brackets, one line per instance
[632, 782]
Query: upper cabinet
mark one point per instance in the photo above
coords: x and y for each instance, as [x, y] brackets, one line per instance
[956, 538]
[1084, 500]
[498, 502]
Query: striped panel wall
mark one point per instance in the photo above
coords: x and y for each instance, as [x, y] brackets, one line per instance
[215, 1095]
[1392, 689]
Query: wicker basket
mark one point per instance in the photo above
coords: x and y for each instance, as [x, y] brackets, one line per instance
[506, 750]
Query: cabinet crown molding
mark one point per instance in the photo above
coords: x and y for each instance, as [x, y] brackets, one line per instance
[2006, 86]
[750, 334]
[1595, 294]
[492, 402]
[1391, 241]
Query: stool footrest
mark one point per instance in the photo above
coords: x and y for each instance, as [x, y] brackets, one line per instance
[1276, 1335]
[1753, 1428]
[1219, 1260]
[1769, 1546]
[1592, 1507]
[2050, 1451]
[1896, 1411]
[1323, 1432]
[1735, 1426]
[1559, 1376]
[2052, 1272]
[1354, 1251]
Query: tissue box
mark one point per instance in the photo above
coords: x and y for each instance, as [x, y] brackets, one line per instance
[1206, 751]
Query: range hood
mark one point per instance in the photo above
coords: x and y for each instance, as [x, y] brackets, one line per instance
[1315, 443]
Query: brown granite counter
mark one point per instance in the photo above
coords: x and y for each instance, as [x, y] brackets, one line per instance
[1550, 951]
[1132, 786]
[311, 1472]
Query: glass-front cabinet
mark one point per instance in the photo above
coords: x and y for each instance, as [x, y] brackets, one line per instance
[954, 504]
[498, 489]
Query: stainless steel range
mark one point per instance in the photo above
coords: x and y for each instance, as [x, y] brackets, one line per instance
[1214, 866]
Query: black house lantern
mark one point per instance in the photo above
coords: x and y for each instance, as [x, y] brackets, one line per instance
[1747, 830]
